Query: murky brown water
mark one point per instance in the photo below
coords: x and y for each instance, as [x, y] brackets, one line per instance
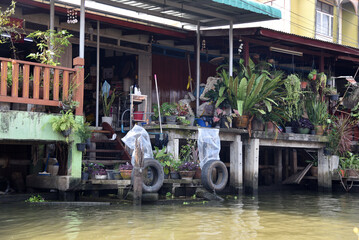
[268, 216]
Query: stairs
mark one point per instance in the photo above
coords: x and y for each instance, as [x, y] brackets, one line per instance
[106, 150]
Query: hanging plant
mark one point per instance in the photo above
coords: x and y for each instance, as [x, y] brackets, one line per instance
[312, 75]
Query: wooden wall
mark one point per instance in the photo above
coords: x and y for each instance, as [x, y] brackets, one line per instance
[172, 76]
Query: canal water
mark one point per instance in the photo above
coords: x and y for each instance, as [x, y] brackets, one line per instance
[289, 215]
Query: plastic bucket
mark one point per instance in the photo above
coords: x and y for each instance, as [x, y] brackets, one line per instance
[138, 115]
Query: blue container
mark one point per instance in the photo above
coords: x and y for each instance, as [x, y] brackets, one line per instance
[202, 123]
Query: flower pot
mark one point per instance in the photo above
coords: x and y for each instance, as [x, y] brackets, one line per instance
[110, 174]
[181, 119]
[66, 133]
[81, 147]
[334, 97]
[116, 175]
[126, 174]
[314, 171]
[138, 115]
[319, 130]
[303, 85]
[288, 129]
[100, 177]
[257, 125]
[84, 176]
[174, 175]
[191, 120]
[303, 130]
[107, 120]
[188, 175]
[269, 127]
[241, 121]
[171, 120]
[224, 123]
[351, 173]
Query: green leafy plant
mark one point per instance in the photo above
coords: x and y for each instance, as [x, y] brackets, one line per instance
[107, 101]
[169, 109]
[339, 136]
[317, 111]
[65, 123]
[51, 45]
[349, 161]
[84, 131]
[166, 159]
[35, 198]
[183, 120]
[292, 99]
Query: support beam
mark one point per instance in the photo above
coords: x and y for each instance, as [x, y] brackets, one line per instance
[321, 63]
[82, 29]
[52, 15]
[231, 48]
[324, 175]
[278, 166]
[294, 162]
[251, 166]
[198, 68]
[286, 163]
[236, 164]
[97, 73]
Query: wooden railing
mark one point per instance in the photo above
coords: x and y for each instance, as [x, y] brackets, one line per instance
[40, 84]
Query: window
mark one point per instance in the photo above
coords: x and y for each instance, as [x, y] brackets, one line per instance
[324, 21]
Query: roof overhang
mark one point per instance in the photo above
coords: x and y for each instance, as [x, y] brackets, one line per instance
[188, 13]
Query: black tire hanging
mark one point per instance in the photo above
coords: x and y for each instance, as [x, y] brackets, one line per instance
[157, 178]
[208, 180]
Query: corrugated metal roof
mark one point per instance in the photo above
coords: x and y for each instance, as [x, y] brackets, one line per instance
[206, 12]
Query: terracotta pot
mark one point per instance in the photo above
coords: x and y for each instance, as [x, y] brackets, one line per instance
[187, 174]
[303, 85]
[126, 174]
[269, 127]
[314, 171]
[351, 173]
[319, 130]
[241, 121]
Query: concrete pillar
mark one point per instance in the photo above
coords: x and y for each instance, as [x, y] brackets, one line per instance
[236, 164]
[324, 175]
[251, 166]
[286, 163]
[278, 166]
[173, 146]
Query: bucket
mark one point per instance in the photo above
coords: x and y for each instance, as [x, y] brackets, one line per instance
[138, 115]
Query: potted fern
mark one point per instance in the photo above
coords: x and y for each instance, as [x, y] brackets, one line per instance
[84, 132]
[66, 124]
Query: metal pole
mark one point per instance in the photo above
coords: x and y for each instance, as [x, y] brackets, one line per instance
[82, 29]
[198, 69]
[52, 14]
[231, 48]
[97, 72]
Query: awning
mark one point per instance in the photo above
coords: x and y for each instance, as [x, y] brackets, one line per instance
[208, 13]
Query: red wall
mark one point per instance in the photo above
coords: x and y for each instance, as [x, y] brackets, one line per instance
[172, 77]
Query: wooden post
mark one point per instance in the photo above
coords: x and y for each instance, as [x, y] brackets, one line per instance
[251, 166]
[294, 162]
[324, 175]
[236, 166]
[278, 166]
[286, 163]
[79, 64]
[137, 175]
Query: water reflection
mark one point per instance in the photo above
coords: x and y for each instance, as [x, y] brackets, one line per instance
[268, 216]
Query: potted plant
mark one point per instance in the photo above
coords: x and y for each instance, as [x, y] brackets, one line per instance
[292, 99]
[317, 114]
[84, 132]
[314, 168]
[339, 135]
[169, 111]
[187, 170]
[126, 171]
[165, 159]
[332, 93]
[66, 124]
[222, 119]
[108, 98]
[312, 75]
[85, 171]
[349, 164]
[303, 126]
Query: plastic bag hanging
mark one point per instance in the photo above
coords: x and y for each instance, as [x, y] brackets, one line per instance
[144, 139]
[105, 89]
[209, 145]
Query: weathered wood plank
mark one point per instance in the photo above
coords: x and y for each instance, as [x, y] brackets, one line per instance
[65, 85]
[236, 163]
[25, 81]
[56, 84]
[4, 70]
[15, 80]
[29, 101]
[278, 166]
[46, 83]
[36, 83]
[251, 166]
